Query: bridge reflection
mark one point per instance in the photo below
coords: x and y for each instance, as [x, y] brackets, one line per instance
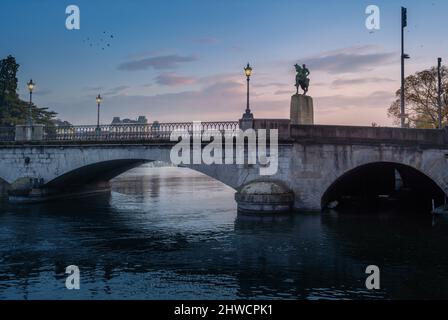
[124, 252]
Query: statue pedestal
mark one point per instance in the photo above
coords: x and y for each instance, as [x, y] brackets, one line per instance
[302, 109]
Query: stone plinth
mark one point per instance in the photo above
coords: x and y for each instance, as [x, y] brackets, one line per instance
[302, 109]
[34, 132]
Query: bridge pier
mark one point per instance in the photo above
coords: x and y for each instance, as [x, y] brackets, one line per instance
[264, 197]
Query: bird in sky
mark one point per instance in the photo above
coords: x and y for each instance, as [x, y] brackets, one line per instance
[102, 42]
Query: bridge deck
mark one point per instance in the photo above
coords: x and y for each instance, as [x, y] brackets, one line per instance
[159, 133]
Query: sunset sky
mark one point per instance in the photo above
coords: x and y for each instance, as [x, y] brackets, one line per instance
[183, 60]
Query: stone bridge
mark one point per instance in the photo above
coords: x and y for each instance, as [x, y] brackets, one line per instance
[318, 166]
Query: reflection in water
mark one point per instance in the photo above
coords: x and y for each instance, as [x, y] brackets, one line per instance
[170, 233]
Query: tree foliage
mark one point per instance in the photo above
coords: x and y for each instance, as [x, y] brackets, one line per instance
[421, 94]
[13, 110]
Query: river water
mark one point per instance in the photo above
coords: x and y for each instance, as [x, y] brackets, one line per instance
[171, 233]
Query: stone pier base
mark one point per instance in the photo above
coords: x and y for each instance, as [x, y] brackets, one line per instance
[264, 197]
[302, 110]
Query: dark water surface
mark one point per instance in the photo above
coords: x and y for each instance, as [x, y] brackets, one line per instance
[170, 233]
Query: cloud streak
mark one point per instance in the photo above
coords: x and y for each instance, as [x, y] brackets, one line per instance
[206, 40]
[349, 60]
[334, 103]
[43, 92]
[271, 84]
[359, 81]
[157, 63]
[173, 79]
[116, 90]
[93, 89]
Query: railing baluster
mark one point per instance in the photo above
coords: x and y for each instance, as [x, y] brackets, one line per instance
[128, 132]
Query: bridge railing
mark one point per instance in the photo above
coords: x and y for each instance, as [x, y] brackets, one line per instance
[131, 132]
[7, 134]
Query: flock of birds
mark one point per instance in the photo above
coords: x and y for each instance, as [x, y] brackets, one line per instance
[103, 42]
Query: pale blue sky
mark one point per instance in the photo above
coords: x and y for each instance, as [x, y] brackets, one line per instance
[182, 60]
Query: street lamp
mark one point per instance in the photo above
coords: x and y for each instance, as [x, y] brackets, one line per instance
[248, 73]
[404, 56]
[98, 102]
[31, 86]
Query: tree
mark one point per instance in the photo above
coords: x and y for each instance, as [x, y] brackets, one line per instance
[421, 94]
[13, 110]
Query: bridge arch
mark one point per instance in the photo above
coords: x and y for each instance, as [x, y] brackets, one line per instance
[397, 184]
[52, 171]
[102, 171]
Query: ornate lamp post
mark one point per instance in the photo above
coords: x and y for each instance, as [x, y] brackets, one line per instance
[248, 73]
[31, 86]
[99, 99]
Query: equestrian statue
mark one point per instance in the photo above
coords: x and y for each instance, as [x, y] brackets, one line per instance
[302, 79]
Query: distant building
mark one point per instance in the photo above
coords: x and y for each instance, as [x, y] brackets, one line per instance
[61, 123]
[140, 120]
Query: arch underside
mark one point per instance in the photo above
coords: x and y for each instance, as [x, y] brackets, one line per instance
[94, 173]
[105, 171]
[376, 184]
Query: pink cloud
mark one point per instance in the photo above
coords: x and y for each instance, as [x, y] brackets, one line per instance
[157, 62]
[173, 79]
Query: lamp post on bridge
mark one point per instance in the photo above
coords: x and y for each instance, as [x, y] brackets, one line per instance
[31, 86]
[248, 72]
[99, 99]
[404, 56]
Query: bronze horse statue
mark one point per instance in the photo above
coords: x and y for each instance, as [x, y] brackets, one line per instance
[302, 79]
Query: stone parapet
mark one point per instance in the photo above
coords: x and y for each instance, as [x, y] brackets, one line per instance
[33, 132]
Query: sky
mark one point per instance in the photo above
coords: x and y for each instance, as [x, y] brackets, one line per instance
[183, 60]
